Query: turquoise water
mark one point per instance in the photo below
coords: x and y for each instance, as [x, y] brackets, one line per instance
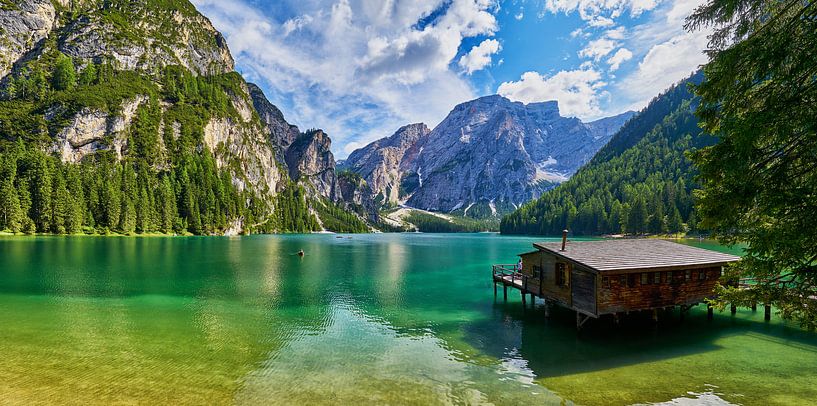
[363, 319]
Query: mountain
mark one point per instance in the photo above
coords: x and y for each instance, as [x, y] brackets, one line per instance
[487, 156]
[384, 162]
[127, 116]
[641, 181]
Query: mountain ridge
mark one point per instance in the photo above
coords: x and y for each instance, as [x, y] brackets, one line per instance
[488, 156]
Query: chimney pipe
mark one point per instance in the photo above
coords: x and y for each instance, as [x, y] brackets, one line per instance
[564, 239]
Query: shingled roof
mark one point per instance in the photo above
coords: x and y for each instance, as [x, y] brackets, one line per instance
[629, 254]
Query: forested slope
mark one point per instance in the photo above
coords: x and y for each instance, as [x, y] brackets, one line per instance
[640, 182]
[127, 116]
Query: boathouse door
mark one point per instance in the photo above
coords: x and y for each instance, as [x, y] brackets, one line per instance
[584, 291]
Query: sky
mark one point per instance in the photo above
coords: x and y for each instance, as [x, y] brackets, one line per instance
[360, 69]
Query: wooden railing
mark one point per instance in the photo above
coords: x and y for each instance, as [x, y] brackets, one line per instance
[501, 271]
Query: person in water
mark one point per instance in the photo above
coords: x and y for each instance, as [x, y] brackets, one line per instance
[301, 253]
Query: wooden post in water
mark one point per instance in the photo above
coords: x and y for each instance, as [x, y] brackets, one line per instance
[505, 292]
[532, 301]
[494, 288]
[547, 309]
[523, 299]
[734, 309]
[768, 312]
[709, 312]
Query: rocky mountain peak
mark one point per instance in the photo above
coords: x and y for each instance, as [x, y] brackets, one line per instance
[486, 157]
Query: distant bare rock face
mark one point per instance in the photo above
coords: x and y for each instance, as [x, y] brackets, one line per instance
[157, 38]
[358, 196]
[310, 161]
[381, 162]
[281, 133]
[487, 157]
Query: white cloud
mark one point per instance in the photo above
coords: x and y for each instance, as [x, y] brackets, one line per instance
[663, 65]
[479, 56]
[355, 65]
[578, 91]
[591, 9]
[598, 48]
[621, 56]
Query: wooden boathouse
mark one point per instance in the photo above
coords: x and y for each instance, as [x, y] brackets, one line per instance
[615, 277]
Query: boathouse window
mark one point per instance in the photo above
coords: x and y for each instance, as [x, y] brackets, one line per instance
[701, 275]
[645, 278]
[622, 280]
[561, 274]
[688, 276]
[605, 281]
[632, 279]
[537, 272]
[656, 278]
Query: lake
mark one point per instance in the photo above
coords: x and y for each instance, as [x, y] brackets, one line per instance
[363, 319]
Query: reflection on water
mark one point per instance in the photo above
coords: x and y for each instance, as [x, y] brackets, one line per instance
[408, 319]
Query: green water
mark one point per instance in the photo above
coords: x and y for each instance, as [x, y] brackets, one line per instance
[371, 319]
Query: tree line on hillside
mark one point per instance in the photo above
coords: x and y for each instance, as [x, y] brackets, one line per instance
[645, 184]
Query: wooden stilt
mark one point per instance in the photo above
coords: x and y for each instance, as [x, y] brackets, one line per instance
[734, 309]
[547, 309]
[523, 299]
[709, 312]
[505, 292]
[768, 312]
[532, 301]
[494, 289]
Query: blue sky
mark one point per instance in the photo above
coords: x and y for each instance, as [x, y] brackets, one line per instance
[360, 69]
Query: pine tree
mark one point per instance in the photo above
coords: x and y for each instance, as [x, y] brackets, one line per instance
[65, 74]
[675, 223]
[60, 202]
[40, 183]
[637, 217]
[88, 75]
[10, 211]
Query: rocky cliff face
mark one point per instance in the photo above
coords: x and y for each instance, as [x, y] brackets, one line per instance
[23, 25]
[310, 161]
[281, 133]
[488, 156]
[383, 162]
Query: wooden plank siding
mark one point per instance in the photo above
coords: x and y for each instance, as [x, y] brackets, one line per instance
[624, 292]
[543, 283]
[583, 290]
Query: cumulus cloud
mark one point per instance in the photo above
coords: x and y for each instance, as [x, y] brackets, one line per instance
[665, 52]
[621, 56]
[589, 10]
[663, 65]
[577, 91]
[598, 48]
[357, 68]
[479, 56]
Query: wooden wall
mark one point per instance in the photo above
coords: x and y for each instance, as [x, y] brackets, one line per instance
[548, 287]
[673, 289]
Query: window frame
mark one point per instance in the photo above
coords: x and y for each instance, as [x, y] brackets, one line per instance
[561, 274]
